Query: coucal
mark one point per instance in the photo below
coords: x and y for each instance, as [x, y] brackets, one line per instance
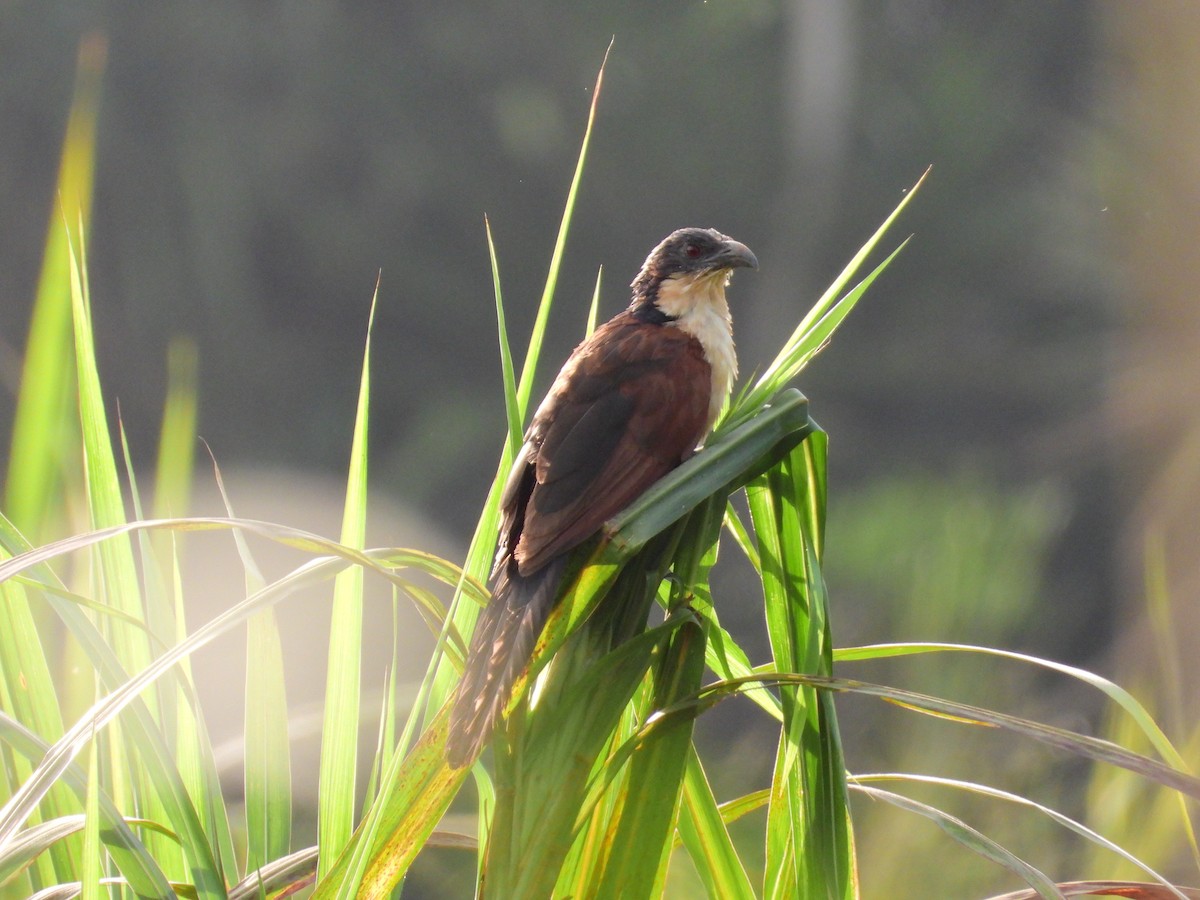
[631, 403]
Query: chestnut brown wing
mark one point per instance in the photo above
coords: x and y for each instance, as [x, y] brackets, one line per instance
[630, 404]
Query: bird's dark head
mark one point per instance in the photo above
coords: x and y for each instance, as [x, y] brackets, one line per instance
[690, 253]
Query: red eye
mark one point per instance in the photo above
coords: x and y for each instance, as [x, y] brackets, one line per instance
[692, 251]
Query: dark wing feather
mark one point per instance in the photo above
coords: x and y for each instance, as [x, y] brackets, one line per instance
[628, 407]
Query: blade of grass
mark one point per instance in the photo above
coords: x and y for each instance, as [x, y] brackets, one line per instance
[92, 868]
[973, 840]
[1126, 701]
[44, 431]
[513, 408]
[174, 721]
[961, 713]
[267, 770]
[703, 832]
[594, 308]
[295, 870]
[116, 576]
[529, 370]
[177, 436]
[808, 845]
[1060, 819]
[645, 822]
[339, 744]
[415, 793]
[268, 764]
[793, 358]
[1133, 889]
[483, 542]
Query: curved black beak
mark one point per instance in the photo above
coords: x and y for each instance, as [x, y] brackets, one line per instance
[735, 255]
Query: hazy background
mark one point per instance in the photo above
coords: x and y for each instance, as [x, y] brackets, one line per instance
[1012, 410]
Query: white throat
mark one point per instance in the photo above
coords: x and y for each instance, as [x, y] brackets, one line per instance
[698, 305]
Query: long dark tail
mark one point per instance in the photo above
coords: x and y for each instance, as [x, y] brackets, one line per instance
[503, 642]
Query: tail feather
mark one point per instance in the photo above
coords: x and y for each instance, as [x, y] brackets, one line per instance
[500, 649]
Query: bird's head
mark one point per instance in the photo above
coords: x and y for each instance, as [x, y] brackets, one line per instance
[687, 259]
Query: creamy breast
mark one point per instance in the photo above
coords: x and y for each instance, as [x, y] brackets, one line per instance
[697, 304]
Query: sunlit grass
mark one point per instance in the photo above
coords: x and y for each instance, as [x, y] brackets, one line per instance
[595, 787]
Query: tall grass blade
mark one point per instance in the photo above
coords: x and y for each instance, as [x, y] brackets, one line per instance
[1121, 697]
[415, 793]
[268, 764]
[1134, 890]
[513, 409]
[703, 832]
[44, 429]
[483, 542]
[44, 434]
[92, 868]
[177, 436]
[529, 370]
[640, 841]
[819, 324]
[594, 308]
[809, 849]
[963, 713]
[339, 744]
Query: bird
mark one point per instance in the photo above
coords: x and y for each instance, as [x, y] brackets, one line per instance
[632, 402]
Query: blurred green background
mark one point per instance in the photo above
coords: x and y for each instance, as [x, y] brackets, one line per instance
[1012, 412]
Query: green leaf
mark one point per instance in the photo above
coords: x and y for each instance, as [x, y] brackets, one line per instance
[513, 408]
[132, 859]
[339, 743]
[415, 793]
[92, 869]
[703, 832]
[268, 765]
[45, 432]
[529, 370]
[177, 436]
[645, 822]
[818, 325]
[858, 781]
[973, 840]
